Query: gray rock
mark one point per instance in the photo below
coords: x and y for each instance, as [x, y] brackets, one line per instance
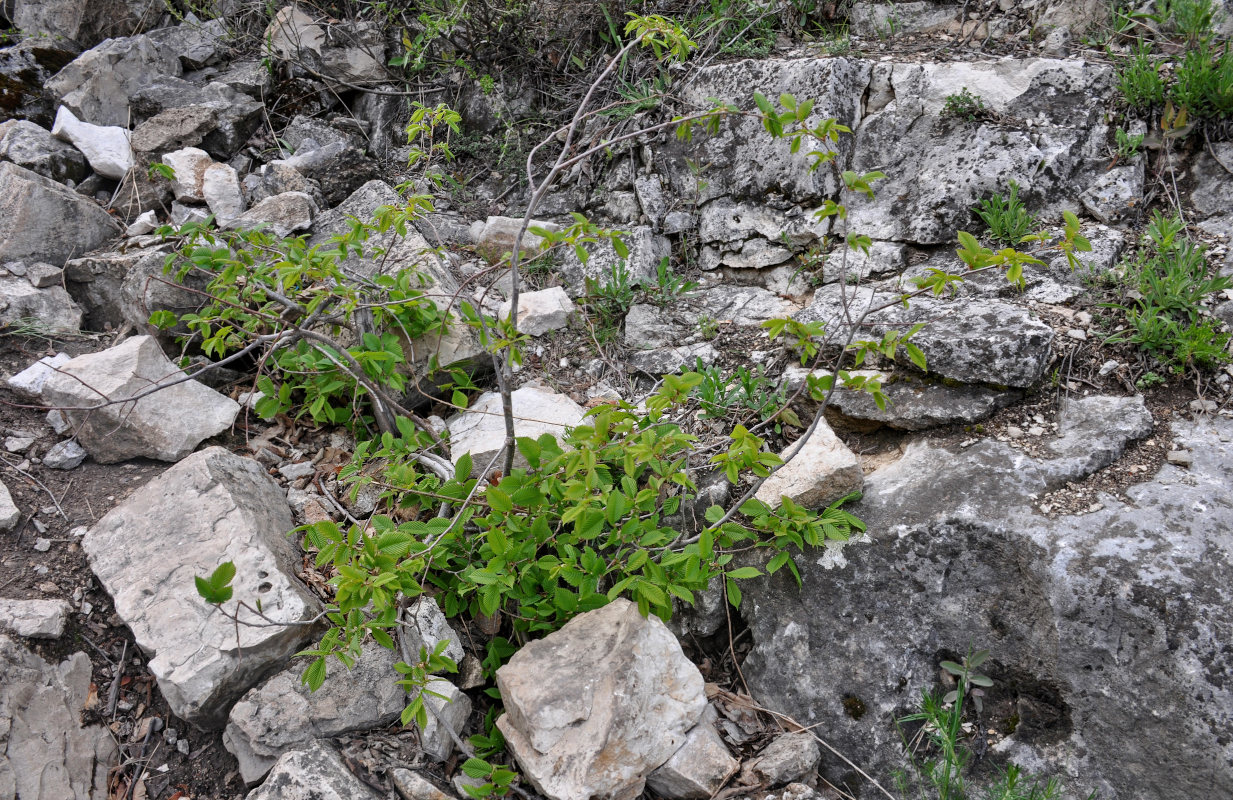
[36, 213]
[648, 327]
[893, 19]
[1094, 432]
[283, 714]
[283, 214]
[97, 283]
[51, 308]
[247, 77]
[10, 514]
[166, 425]
[1213, 183]
[45, 751]
[789, 757]
[414, 786]
[210, 508]
[235, 115]
[424, 627]
[86, 22]
[64, 455]
[820, 470]
[339, 168]
[220, 187]
[97, 86]
[35, 619]
[189, 166]
[1089, 617]
[25, 68]
[699, 768]
[646, 250]
[621, 701]
[197, 44]
[495, 237]
[314, 772]
[917, 404]
[542, 311]
[480, 430]
[43, 276]
[939, 168]
[106, 147]
[665, 360]
[29, 382]
[448, 711]
[34, 148]
[1116, 194]
[277, 178]
[973, 341]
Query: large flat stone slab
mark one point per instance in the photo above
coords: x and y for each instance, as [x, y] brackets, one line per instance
[212, 507]
[41, 220]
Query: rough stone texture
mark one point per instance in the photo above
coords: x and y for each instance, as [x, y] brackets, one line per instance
[220, 186]
[495, 237]
[197, 44]
[411, 785]
[166, 425]
[97, 85]
[86, 22]
[35, 213]
[29, 382]
[789, 757]
[699, 769]
[480, 430]
[106, 147]
[424, 626]
[64, 455]
[314, 772]
[36, 619]
[820, 470]
[10, 514]
[235, 115]
[293, 33]
[339, 168]
[27, 145]
[1094, 431]
[664, 360]
[173, 129]
[542, 311]
[25, 68]
[917, 404]
[621, 701]
[45, 752]
[447, 706]
[1090, 618]
[51, 307]
[886, 19]
[974, 341]
[189, 165]
[1213, 184]
[210, 508]
[1116, 194]
[282, 714]
[284, 214]
[98, 282]
[646, 250]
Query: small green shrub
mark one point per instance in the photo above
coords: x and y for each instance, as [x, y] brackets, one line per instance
[965, 106]
[669, 287]
[613, 296]
[1139, 81]
[1127, 144]
[1203, 82]
[743, 395]
[1007, 218]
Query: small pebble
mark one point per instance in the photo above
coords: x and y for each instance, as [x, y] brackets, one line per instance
[1109, 366]
[1014, 433]
[42, 545]
[1078, 334]
[292, 472]
[1036, 430]
[1181, 458]
[65, 455]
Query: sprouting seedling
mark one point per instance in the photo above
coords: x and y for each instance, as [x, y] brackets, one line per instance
[968, 678]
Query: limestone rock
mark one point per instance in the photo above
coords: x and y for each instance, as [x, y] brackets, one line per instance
[699, 769]
[86, 22]
[447, 707]
[97, 282]
[45, 751]
[917, 404]
[36, 619]
[542, 311]
[166, 425]
[36, 213]
[51, 307]
[424, 626]
[106, 147]
[10, 514]
[210, 508]
[1094, 432]
[646, 250]
[412, 785]
[97, 86]
[29, 382]
[1089, 616]
[621, 701]
[891, 19]
[25, 68]
[223, 117]
[789, 757]
[190, 166]
[196, 43]
[664, 360]
[495, 237]
[282, 714]
[821, 470]
[1116, 194]
[480, 430]
[292, 32]
[1213, 185]
[64, 455]
[34, 148]
[283, 214]
[314, 772]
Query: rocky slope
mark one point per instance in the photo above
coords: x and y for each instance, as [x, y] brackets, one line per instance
[1031, 494]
